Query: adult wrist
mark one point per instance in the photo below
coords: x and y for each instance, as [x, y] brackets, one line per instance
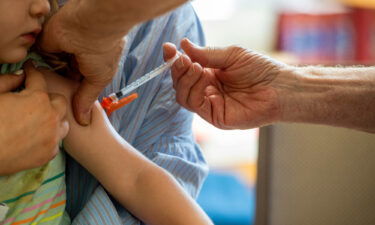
[94, 23]
[303, 94]
[331, 96]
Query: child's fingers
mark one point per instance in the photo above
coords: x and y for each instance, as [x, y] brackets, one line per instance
[185, 84]
[179, 68]
[10, 82]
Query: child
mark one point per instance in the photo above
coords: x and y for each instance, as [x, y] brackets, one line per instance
[38, 195]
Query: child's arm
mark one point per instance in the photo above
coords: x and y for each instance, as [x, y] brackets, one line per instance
[145, 189]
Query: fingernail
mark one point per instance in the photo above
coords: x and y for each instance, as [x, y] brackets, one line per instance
[189, 42]
[86, 118]
[18, 72]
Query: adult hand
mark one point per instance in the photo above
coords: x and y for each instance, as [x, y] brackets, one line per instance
[97, 55]
[93, 31]
[32, 123]
[231, 88]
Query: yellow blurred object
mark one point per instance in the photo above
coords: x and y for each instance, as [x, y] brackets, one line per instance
[247, 171]
[360, 3]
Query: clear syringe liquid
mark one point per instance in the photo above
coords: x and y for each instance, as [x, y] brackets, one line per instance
[144, 79]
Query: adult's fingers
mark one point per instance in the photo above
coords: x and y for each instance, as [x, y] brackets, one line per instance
[169, 51]
[208, 56]
[197, 94]
[10, 82]
[59, 103]
[179, 68]
[64, 129]
[48, 40]
[83, 101]
[186, 82]
[34, 78]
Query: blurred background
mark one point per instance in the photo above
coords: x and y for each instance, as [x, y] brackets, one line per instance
[300, 168]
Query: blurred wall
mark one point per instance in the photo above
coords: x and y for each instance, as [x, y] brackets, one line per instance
[317, 175]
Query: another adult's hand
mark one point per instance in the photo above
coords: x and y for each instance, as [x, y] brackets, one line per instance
[97, 56]
[32, 122]
[229, 87]
[93, 31]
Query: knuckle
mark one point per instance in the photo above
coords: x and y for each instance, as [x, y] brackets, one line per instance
[45, 157]
[211, 50]
[54, 119]
[60, 103]
[192, 104]
[51, 123]
[59, 98]
[50, 146]
[185, 81]
[41, 161]
[235, 48]
[40, 97]
[179, 100]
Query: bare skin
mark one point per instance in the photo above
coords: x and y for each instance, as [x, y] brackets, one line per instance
[97, 41]
[32, 122]
[146, 190]
[234, 88]
[32, 125]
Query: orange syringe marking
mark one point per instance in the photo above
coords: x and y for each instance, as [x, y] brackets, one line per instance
[109, 105]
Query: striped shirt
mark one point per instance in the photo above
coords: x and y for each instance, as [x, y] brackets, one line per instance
[154, 123]
[36, 196]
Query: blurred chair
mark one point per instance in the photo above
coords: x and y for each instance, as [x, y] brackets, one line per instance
[315, 175]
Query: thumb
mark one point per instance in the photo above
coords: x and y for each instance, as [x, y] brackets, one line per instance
[10, 82]
[206, 56]
[83, 101]
[49, 38]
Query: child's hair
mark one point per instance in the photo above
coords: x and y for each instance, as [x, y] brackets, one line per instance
[54, 6]
[58, 62]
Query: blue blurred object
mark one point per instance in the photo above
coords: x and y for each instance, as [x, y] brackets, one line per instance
[227, 199]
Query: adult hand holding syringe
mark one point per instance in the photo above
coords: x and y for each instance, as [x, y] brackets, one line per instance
[117, 100]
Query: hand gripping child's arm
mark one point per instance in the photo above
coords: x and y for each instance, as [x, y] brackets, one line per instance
[142, 187]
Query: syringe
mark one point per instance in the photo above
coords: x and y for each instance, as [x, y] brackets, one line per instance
[114, 101]
[144, 79]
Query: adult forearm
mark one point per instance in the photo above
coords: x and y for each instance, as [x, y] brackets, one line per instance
[114, 18]
[342, 97]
